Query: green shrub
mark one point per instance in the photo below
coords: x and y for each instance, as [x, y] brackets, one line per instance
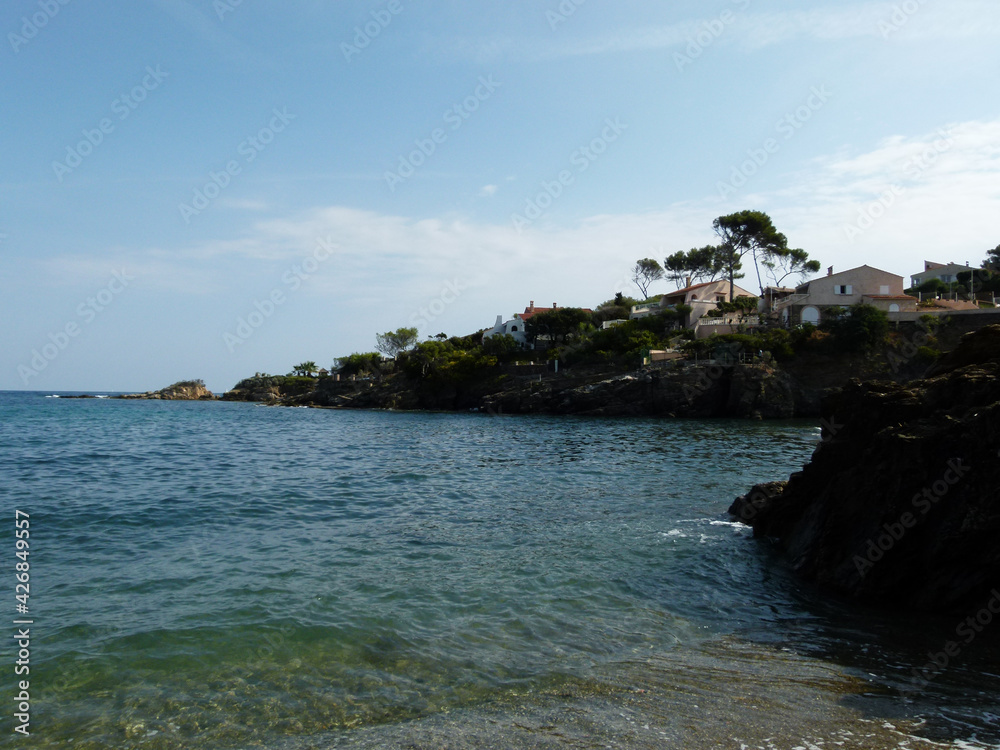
[359, 364]
[927, 354]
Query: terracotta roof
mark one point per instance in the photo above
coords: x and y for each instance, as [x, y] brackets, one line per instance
[888, 296]
[687, 289]
[530, 312]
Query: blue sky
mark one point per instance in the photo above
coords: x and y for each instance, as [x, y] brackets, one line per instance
[202, 188]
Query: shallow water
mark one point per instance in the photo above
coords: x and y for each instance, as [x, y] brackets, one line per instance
[213, 575]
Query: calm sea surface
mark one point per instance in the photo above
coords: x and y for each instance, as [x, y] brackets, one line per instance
[214, 575]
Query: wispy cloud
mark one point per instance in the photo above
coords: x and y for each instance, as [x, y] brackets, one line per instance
[959, 19]
[209, 28]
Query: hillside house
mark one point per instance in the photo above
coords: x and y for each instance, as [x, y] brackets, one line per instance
[945, 272]
[701, 298]
[862, 285]
[515, 326]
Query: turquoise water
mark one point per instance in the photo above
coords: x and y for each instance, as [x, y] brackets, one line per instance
[215, 575]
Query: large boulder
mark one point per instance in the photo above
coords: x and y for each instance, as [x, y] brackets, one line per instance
[901, 501]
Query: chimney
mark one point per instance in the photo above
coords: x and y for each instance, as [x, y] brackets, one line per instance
[531, 306]
[687, 281]
[829, 271]
[554, 305]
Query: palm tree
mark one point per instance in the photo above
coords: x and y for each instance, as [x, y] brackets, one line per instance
[305, 368]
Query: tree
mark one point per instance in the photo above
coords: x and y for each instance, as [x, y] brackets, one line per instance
[977, 280]
[500, 346]
[748, 233]
[394, 342]
[305, 368]
[794, 263]
[359, 364]
[644, 273]
[699, 263]
[557, 324]
[992, 262]
[610, 312]
[741, 307]
[619, 300]
[933, 287]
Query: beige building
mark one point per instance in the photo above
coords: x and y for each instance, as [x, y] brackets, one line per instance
[864, 284]
[946, 272]
[701, 298]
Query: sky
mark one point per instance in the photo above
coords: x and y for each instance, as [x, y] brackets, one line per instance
[214, 188]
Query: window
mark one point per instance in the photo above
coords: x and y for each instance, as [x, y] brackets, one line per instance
[513, 329]
[845, 289]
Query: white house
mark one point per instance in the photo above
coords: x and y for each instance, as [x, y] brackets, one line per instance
[513, 327]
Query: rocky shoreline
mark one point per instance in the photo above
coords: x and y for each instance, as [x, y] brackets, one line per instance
[683, 390]
[900, 503]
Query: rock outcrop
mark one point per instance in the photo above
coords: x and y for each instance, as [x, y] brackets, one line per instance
[270, 389]
[185, 390]
[900, 503]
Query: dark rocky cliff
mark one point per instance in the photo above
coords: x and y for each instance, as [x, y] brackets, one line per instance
[900, 503]
[750, 391]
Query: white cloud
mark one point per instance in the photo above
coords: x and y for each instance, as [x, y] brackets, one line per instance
[944, 209]
[487, 190]
[208, 28]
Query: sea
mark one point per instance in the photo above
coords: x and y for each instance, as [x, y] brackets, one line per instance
[228, 575]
